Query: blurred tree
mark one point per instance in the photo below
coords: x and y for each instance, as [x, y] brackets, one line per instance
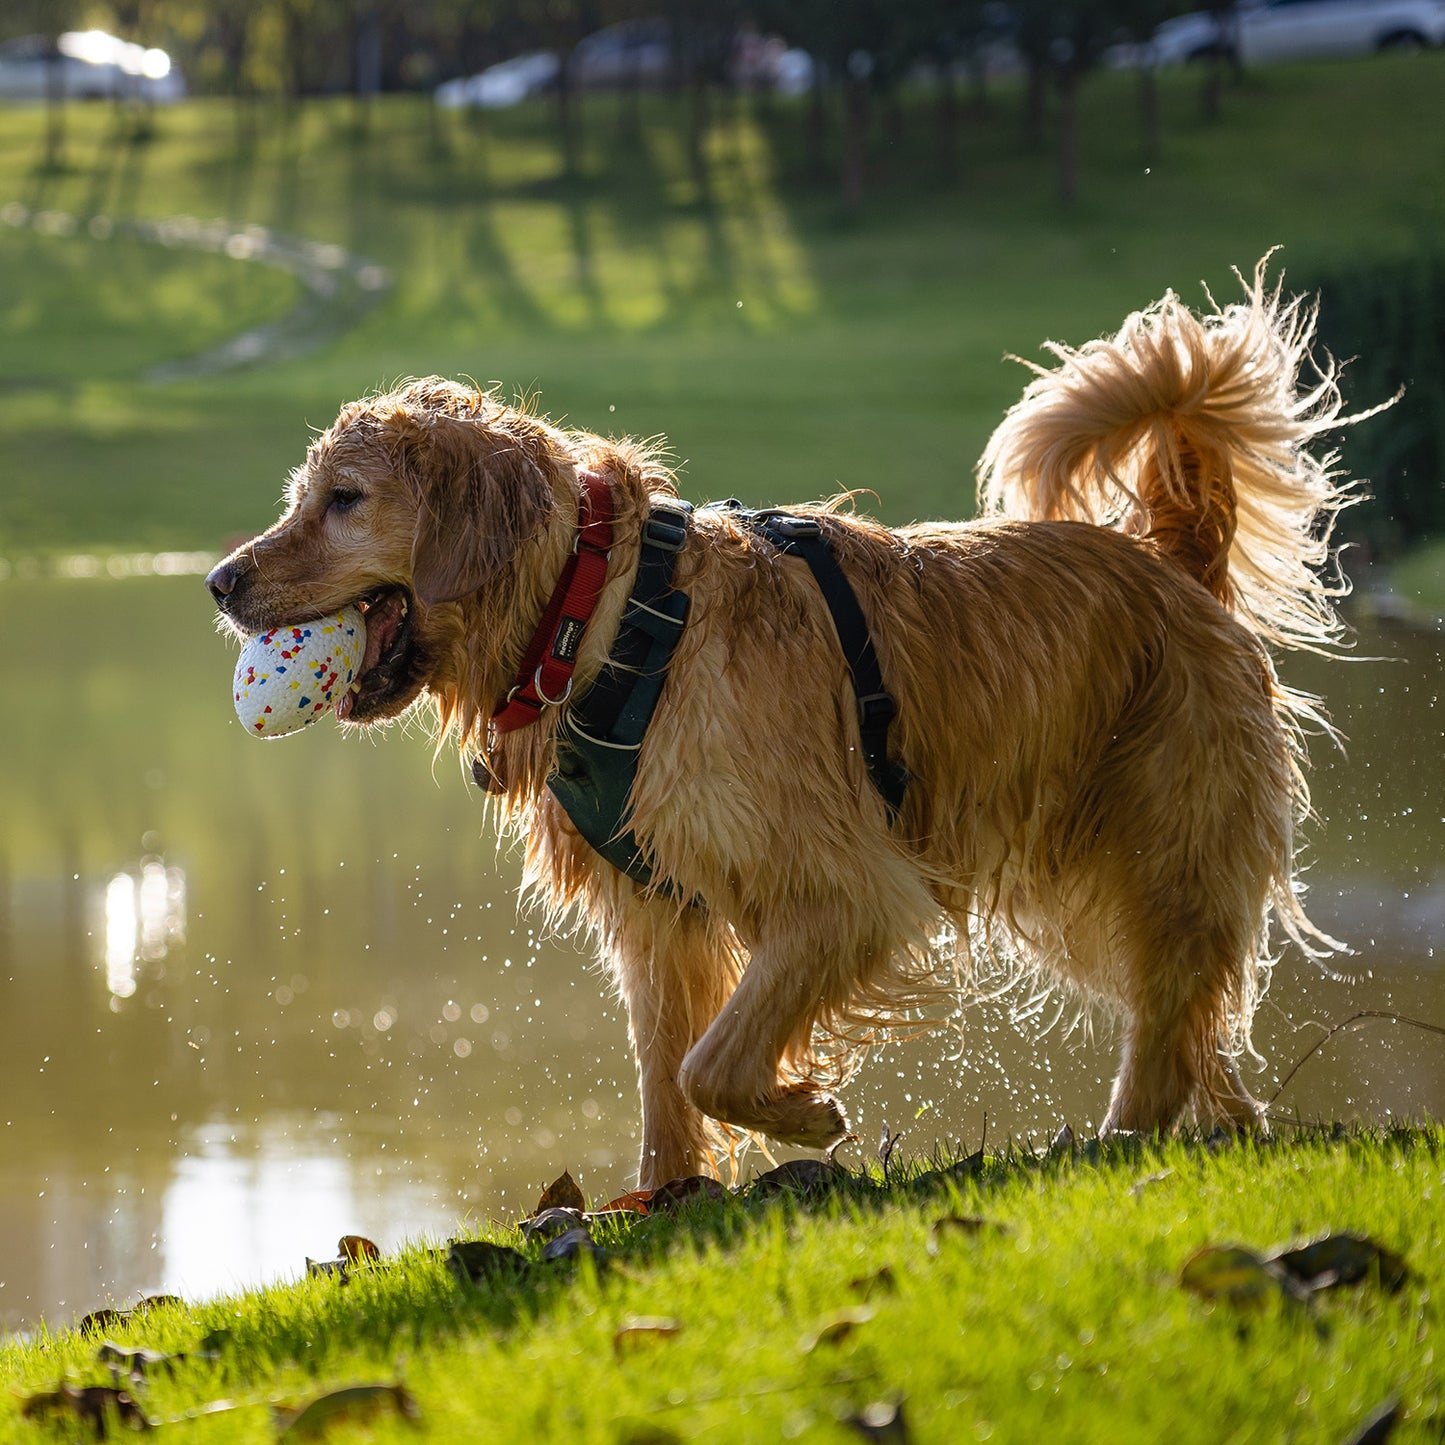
[1135, 22]
[48, 19]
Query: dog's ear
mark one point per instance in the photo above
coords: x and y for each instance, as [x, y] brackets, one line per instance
[480, 497]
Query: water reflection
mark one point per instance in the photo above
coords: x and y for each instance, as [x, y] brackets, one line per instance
[258, 995]
[145, 917]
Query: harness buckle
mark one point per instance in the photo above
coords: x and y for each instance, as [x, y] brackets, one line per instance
[666, 527]
[877, 709]
[795, 529]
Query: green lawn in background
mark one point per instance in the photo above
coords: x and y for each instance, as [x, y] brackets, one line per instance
[786, 349]
[1032, 1300]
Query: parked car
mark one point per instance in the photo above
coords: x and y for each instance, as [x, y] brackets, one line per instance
[508, 83]
[632, 52]
[1259, 32]
[90, 65]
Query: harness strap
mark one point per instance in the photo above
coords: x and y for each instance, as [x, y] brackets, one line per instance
[804, 537]
[545, 676]
[602, 731]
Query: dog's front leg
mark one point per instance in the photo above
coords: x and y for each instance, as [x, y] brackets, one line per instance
[733, 1073]
[675, 968]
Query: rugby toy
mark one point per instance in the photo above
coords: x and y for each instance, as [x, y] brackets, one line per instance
[288, 677]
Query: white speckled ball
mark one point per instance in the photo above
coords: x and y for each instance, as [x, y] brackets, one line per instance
[289, 676]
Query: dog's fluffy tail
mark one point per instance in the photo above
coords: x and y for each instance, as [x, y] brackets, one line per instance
[1195, 432]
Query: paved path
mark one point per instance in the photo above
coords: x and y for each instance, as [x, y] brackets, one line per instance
[338, 289]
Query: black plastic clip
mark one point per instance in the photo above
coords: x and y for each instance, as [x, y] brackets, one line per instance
[794, 529]
[877, 709]
[666, 527]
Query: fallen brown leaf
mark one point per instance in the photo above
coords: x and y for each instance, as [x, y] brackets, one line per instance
[569, 1246]
[634, 1202]
[796, 1177]
[881, 1281]
[562, 1193]
[837, 1328]
[1336, 1259]
[1238, 1276]
[684, 1190]
[98, 1406]
[549, 1223]
[637, 1329]
[473, 1260]
[345, 1406]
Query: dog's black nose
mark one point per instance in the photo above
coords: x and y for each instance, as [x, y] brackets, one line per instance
[222, 581]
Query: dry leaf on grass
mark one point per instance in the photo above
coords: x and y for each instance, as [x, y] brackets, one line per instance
[808, 1177]
[357, 1250]
[549, 1223]
[1336, 1259]
[635, 1201]
[472, 1261]
[561, 1193]
[572, 1245]
[343, 1407]
[98, 1406]
[639, 1329]
[881, 1281]
[1238, 1276]
[1249, 1280]
[837, 1327]
[683, 1191]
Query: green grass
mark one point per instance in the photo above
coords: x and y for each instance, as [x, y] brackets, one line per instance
[785, 348]
[1064, 1317]
[1420, 580]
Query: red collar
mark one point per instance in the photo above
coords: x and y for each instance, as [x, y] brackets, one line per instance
[545, 677]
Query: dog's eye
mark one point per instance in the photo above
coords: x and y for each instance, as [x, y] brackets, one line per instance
[343, 499]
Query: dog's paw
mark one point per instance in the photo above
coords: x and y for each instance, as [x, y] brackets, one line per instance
[801, 1116]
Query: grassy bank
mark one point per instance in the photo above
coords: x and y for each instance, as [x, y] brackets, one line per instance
[1010, 1299]
[786, 349]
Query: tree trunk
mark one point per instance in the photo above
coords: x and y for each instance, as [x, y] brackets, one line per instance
[818, 128]
[54, 113]
[699, 121]
[368, 65]
[947, 123]
[1034, 105]
[1068, 139]
[855, 131]
[566, 118]
[1149, 113]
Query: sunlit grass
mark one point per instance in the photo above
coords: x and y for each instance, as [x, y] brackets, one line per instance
[1063, 1317]
[867, 350]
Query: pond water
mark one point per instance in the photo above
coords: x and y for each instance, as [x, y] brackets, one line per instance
[259, 995]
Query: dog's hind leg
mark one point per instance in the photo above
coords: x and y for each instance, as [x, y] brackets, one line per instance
[1173, 1055]
[675, 967]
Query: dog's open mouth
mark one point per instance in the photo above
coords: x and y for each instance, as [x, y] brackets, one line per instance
[385, 673]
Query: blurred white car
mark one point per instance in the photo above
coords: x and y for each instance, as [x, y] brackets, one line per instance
[499, 86]
[90, 65]
[1259, 32]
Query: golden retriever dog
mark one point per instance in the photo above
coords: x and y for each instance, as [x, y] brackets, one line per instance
[1104, 775]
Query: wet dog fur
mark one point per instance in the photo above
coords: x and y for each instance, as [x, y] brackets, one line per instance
[1106, 774]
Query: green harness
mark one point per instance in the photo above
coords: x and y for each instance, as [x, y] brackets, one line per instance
[601, 733]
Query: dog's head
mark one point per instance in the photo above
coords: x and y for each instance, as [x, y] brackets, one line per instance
[413, 505]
